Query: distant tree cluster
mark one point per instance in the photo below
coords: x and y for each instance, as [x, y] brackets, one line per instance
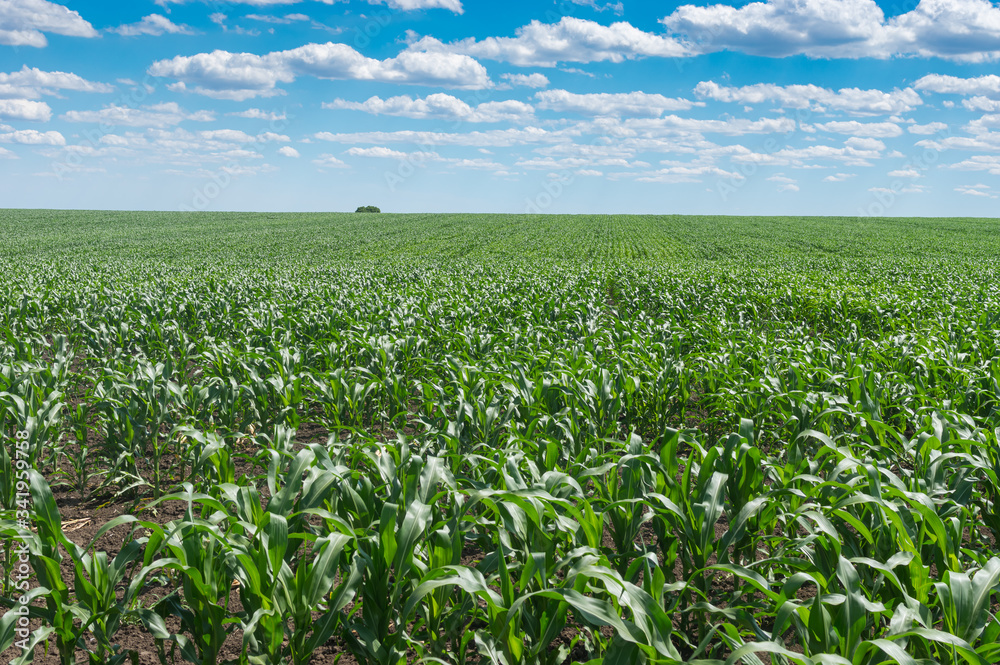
[368, 209]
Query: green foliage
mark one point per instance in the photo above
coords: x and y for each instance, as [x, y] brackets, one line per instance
[540, 439]
[368, 209]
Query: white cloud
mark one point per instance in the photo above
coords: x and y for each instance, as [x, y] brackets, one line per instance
[839, 177]
[859, 143]
[987, 141]
[405, 5]
[32, 83]
[23, 109]
[570, 40]
[928, 129]
[181, 151]
[618, 104]
[526, 80]
[32, 137]
[905, 173]
[240, 76]
[7, 154]
[907, 189]
[155, 25]
[227, 136]
[883, 130]
[976, 190]
[785, 184]
[257, 114]
[674, 124]
[439, 105]
[158, 115]
[965, 30]
[680, 173]
[423, 157]
[617, 8]
[777, 28]
[953, 85]
[983, 127]
[22, 22]
[278, 20]
[814, 97]
[857, 152]
[329, 161]
[289, 151]
[550, 164]
[493, 138]
[989, 163]
[381, 152]
[980, 103]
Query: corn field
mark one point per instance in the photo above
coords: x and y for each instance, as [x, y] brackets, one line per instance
[498, 439]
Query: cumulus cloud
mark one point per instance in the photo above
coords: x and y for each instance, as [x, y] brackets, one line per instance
[839, 177]
[976, 190]
[424, 157]
[24, 109]
[778, 28]
[988, 85]
[929, 128]
[616, 7]
[986, 141]
[570, 40]
[441, 106]
[404, 5]
[882, 130]
[159, 115]
[154, 25]
[907, 189]
[287, 19]
[679, 173]
[500, 138]
[526, 80]
[964, 30]
[240, 76]
[980, 103]
[23, 22]
[327, 160]
[851, 100]
[33, 137]
[857, 152]
[617, 104]
[381, 152]
[785, 184]
[905, 173]
[674, 124]
[988, 163]
[289, 151]
[32, 83]
[258, 114]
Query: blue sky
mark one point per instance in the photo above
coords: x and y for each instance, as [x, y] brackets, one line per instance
[817, 107]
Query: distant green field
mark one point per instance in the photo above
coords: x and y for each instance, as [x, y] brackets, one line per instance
[504, 439]
[330, 238]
